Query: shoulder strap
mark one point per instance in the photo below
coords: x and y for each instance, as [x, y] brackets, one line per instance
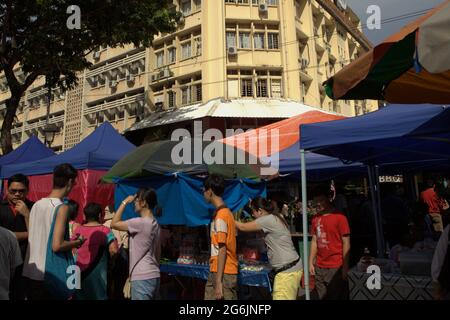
[147, 251]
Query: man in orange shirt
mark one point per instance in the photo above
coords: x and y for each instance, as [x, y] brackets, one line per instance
[222, 280]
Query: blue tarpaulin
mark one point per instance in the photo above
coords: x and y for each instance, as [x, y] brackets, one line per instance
[99, 151]
[31, 150]
[245, 278]
[394, 134]
[181, 198]
[289, 162]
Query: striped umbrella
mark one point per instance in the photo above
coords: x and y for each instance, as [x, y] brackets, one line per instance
[411, 66]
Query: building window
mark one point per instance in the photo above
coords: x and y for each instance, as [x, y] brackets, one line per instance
[185, 95]
[186, 51]
[198, 46]
[275, 88]
[185, 7]
[198, 4]
[172, 99]
[231, 39]
[258, 39]
[261, 88]
[244, 40]
[172, 55]
[159, 59]
[272, 2]
[272, 40]
[197, 92]
[246, 88]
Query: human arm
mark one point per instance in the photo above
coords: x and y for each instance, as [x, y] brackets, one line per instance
[116, 222]
[58, 243]
[221, 259]
[313, 255]
[22, 208]
[345, 256]
[251, 226]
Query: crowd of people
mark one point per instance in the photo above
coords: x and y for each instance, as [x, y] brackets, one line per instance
[42, 247]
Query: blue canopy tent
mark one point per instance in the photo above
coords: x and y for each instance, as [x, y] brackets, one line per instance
[319, 166]
[181, 197]
[396, 135]
[94, 155]
[99, 151]
[30, 150]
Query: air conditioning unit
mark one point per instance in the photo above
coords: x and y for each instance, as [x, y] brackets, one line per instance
[263, 7]
[232, 51]
[113, 84]
[182, 21]
[97, 55]
[165, 73]
[304, 63]
[159, 106]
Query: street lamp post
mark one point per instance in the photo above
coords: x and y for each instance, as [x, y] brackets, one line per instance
[50, 129]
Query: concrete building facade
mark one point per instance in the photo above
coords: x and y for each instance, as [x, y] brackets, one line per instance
[246, 49]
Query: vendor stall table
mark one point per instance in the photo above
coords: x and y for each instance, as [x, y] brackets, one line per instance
[246, 278]
[393, 287]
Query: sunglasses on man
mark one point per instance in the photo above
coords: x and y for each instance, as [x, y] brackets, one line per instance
[17, 191]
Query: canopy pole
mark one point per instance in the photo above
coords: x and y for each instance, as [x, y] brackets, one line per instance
[305, 223]
[379, 214]
[373, 194]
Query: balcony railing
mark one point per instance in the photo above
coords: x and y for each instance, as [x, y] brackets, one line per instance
[42, 123]
[115, 104]
[116, 64]
[334, 11]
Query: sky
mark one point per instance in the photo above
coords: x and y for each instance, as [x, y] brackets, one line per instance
[390, 9]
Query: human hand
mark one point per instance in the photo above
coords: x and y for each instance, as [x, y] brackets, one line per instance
[129, 199]
[22, 208]
[81, 240]
[219, 291]
[312, 270]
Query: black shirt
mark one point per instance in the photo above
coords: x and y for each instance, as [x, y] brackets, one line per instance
[15, 223]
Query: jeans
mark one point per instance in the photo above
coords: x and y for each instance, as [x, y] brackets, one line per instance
[144, 289]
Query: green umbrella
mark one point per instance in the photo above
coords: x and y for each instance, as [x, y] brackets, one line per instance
[190, 156]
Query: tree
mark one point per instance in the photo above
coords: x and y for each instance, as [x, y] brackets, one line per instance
[52, 38]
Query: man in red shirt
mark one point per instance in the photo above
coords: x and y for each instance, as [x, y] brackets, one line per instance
[435, 206]
[330, 248]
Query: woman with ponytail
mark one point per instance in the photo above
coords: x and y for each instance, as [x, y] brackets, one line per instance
[145, 244]
[285, 261]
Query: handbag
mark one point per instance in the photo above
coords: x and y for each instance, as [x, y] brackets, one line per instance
[56, 266]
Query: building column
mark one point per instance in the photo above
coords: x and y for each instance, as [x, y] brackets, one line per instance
[289, 50]
[214, 73]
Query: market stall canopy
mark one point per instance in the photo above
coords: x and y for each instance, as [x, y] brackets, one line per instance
[100, 151]
[189, 156]
[411, 66]
[393, 135]
[31, 150]
[220, 108]
[181, 197]
[279, 143]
